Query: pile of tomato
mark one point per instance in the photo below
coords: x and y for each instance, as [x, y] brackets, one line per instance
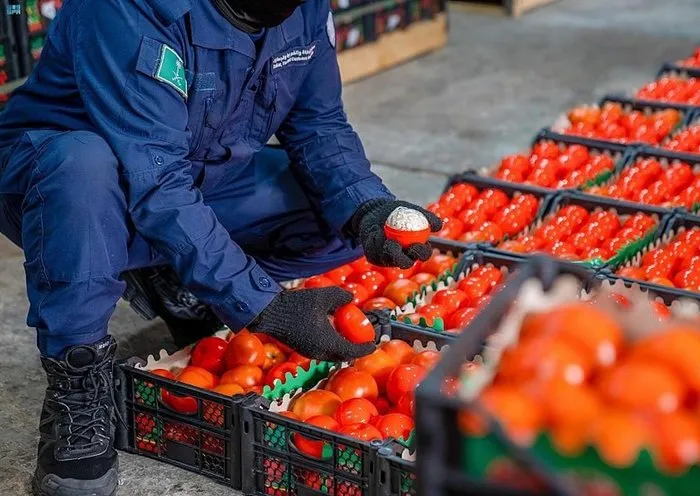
[675, 264]
[373, 398]
[613, 123]
[573, 233]
[245, 363]
[470, 215]
[378, 288]
[575, 375]
[648, 181]
[692, 61]
[552, 166]
[459, 304]
[672, 89]
[685, 141]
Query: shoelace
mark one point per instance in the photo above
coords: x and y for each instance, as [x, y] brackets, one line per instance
[98, 379]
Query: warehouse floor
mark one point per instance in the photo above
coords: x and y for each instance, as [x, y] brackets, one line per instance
[485, 95]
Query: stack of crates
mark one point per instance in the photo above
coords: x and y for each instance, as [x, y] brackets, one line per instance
[9, 68]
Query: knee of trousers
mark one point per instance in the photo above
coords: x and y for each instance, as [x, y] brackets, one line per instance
[74, 215]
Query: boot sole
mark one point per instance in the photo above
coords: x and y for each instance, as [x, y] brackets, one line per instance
[52, 485]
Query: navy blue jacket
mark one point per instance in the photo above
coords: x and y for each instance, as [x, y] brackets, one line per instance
[173, 87]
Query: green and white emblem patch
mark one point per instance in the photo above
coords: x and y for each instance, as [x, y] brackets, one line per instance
[171, 70]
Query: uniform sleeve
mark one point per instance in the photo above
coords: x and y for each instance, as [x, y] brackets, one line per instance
[326, 153]
[134, 98]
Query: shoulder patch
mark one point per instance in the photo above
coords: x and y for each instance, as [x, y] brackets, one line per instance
[171, 70]
[330, 29]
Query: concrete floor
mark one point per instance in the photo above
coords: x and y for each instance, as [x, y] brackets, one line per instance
[485, 95]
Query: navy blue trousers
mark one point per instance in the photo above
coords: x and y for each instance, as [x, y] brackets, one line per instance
[70, 218]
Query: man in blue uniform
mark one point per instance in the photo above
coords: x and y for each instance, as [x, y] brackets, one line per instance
[138, 142]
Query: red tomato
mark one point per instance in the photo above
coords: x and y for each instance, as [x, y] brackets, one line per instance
[450, 299]
[318, 282]
[491, 232]
[382, 405]
[361, 265]
[433, 310]
[193, 376]
[438, 264]
[353, 325]
[406, 404]
[373, 281]
[356, 411]
[399, 350]
[461, 318]
[403, 379]
[424, 278]
[273, 356]
[245, 349]
[401, 290]
[339, 275]
[229, 389]
[359, 292]
[243, 375]
[379, 303]
[378, 364]
[353, 383]
[209, 353]
[426, 359]
[396, 426]
[474, 288]
[490, 274]
[315, 402]
[279, 372]
[632, 273]
[363, 432]
[394, 273]
[452, 228]
[310, 447]
[299, 360]
[163, 373]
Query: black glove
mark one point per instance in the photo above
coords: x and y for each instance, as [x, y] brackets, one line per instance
[368, 224]
[299, 319]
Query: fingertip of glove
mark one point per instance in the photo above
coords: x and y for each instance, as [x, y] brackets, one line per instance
[420, 251]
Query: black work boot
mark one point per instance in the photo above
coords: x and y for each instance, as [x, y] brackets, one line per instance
[157, 292]
[76, 455]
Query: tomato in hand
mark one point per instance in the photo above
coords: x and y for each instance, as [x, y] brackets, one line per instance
[378, 303]
[318, 282]
[279, 372]
[209, 353]
[244, 375]
[399, 351]
[353, 324]
[311, 447]
[356, 411]
[353, 383]
[363, 432]
[401, 290]
[403, 379]
[395, 425]
[245, 349]
[315, 402]
[359, 292]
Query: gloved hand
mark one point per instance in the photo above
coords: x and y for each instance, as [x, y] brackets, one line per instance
[368, 224]
[299, 319]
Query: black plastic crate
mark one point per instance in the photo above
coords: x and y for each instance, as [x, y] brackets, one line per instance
[207, 442]
[273, 466]
[442, 452]
[591, 203]
[616, 151]
[671, 71]
[629, 104]
[677, 70]
[665, 157]
[468, 260]
[674, 225]
[544, 195]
